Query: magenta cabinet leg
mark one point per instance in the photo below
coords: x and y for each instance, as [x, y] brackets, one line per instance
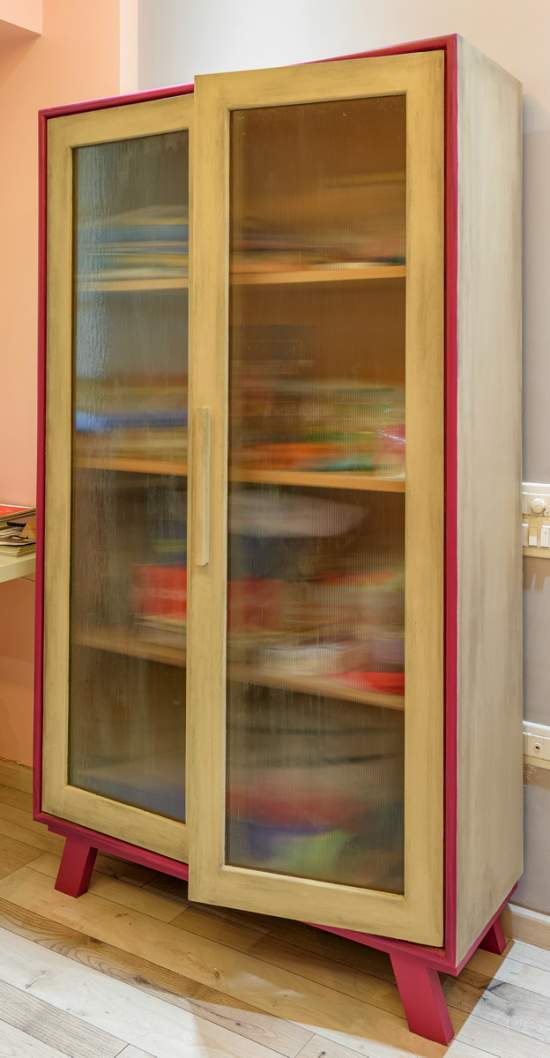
[75, 869]
[422, 996]
[494, 940]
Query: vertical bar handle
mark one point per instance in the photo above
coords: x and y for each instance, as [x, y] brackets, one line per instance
[201, 467]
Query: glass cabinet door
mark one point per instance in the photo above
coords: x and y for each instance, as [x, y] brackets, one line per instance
[316, 694]
[118, 257]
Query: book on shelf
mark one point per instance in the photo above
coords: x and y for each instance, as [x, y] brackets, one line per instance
[15, 512]
[160, 603]
[163, 629]
[18, 533]
[15, 541]
[148, 243]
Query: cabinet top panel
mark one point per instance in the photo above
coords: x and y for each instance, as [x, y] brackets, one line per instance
[447, 43]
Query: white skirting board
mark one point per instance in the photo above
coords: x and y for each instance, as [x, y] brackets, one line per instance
[519, 923]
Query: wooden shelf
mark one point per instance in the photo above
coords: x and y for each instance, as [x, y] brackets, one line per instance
[319, 479]
[12, 567]
[114, 285]
[288, 277]
[319, 275]
[121, 641]
[132, 465]
[328, 686]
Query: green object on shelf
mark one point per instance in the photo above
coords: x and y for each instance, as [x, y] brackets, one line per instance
[310, 855]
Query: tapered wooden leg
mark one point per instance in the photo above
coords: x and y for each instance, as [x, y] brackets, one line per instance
[423, 999]
[494, 940]
[75, 869]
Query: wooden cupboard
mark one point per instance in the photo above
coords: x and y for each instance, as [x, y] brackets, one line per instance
[279, 616]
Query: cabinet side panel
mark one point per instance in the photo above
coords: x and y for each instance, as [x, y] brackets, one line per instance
[489, 476]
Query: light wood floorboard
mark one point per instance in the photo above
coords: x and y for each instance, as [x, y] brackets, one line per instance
[133, 969]
[57, 1028]
[133, 1052]
[17, 776]
[17, 1044]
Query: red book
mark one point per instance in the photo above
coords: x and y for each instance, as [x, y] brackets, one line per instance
[160, 590]
[11, 512]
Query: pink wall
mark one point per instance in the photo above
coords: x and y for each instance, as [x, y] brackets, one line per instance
[20, 15]
[76, 57]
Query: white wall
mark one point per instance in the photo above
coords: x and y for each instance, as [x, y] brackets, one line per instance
[180, 38]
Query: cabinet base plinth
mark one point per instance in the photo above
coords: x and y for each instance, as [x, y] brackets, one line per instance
[422, 996]
[417, 969]
[75, 869]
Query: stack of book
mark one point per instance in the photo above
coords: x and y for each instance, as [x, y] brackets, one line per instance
[17, 530]
[323, 425]
[148, 244]
[143, 417]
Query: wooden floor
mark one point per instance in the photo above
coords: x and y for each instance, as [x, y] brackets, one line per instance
[133, 969]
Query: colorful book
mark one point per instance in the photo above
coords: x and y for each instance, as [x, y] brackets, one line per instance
[10, 512]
